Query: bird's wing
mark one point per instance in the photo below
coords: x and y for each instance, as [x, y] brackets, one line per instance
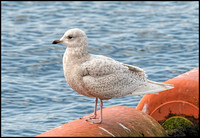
[99, 65]
[106, 78]
[134, 69]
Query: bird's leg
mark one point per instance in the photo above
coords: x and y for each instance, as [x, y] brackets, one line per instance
[95, 111]
[98, 121]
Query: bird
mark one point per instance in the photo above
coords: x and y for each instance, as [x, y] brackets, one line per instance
[100, 76]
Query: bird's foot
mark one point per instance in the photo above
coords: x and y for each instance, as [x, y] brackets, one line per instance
[88, 117]
[95, 121]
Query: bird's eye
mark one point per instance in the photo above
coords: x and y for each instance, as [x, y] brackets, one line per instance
[69, 37]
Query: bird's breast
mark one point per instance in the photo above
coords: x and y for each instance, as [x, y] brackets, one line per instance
[73, 76]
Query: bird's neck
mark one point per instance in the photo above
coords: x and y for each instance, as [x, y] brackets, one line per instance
[76, 52]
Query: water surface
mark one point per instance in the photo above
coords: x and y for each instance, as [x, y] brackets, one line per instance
[159, 37]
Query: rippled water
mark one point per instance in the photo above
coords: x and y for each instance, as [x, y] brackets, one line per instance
[160, 37]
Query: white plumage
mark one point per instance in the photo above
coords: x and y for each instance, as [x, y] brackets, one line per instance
[100, 76]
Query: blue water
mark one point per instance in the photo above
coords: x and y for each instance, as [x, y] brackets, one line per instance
[160, 37]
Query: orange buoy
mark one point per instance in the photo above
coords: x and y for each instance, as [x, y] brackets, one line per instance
[118, 121]
[182, 100]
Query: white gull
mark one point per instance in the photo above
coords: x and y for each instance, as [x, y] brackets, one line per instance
[100, 76]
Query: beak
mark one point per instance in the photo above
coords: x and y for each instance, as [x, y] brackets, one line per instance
[56, 42]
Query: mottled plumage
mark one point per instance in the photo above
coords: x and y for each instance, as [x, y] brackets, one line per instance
[100, 76]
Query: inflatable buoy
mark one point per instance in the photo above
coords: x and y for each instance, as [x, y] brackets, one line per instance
[119, 121]
[178, 105]
[182, 100]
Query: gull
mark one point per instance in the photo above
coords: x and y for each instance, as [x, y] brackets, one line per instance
[100, 76]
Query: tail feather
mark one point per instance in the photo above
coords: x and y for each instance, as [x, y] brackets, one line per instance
[152, 87]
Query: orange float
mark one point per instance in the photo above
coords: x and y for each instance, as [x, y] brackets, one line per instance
[118, 121]
[121, 121]
[182, 100]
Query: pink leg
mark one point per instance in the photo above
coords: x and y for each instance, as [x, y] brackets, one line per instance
[98, 121]
[95, 111]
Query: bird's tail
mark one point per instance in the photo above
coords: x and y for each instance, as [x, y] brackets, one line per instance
[152, 87]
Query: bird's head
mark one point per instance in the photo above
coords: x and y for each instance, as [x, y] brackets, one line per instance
[73, 38]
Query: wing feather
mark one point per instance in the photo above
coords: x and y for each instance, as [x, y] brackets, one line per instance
[107, 78]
